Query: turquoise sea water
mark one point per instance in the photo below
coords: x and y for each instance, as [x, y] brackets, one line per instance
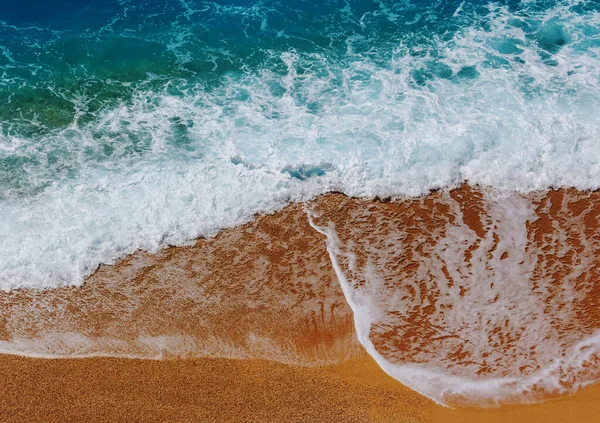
[134, 124]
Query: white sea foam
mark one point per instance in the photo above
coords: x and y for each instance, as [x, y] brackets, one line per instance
[187, 161]
[76, 345]
[500, 326]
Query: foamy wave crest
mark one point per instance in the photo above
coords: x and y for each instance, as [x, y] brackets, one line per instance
[505, 97]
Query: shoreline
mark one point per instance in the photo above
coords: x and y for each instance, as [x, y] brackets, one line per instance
[267, 290]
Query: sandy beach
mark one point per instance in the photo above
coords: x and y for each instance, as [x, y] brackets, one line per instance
[218, 390]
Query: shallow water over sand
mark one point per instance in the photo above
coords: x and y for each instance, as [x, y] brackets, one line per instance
[467, 296]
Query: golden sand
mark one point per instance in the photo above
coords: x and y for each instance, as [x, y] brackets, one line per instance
[218, 390]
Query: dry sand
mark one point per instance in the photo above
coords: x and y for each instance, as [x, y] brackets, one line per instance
[218, 390]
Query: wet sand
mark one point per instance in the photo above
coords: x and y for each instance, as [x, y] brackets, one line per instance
[220, 390]
[252, 325]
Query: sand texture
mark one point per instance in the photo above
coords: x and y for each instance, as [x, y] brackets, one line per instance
[220, 390]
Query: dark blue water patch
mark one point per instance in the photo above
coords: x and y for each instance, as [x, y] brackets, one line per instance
[60, 14]
[305, 172]
[495, 62]
[421, 76]
[126, 39]
[552, 37]
[468, 72]
[439, 69]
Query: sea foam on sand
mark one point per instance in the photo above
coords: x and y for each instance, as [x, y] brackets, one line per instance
[467, 296]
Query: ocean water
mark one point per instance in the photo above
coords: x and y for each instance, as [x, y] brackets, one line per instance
[132, 124]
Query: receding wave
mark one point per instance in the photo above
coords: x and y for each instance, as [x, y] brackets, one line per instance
[471, 297]
[262, 290]
[468, 296]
